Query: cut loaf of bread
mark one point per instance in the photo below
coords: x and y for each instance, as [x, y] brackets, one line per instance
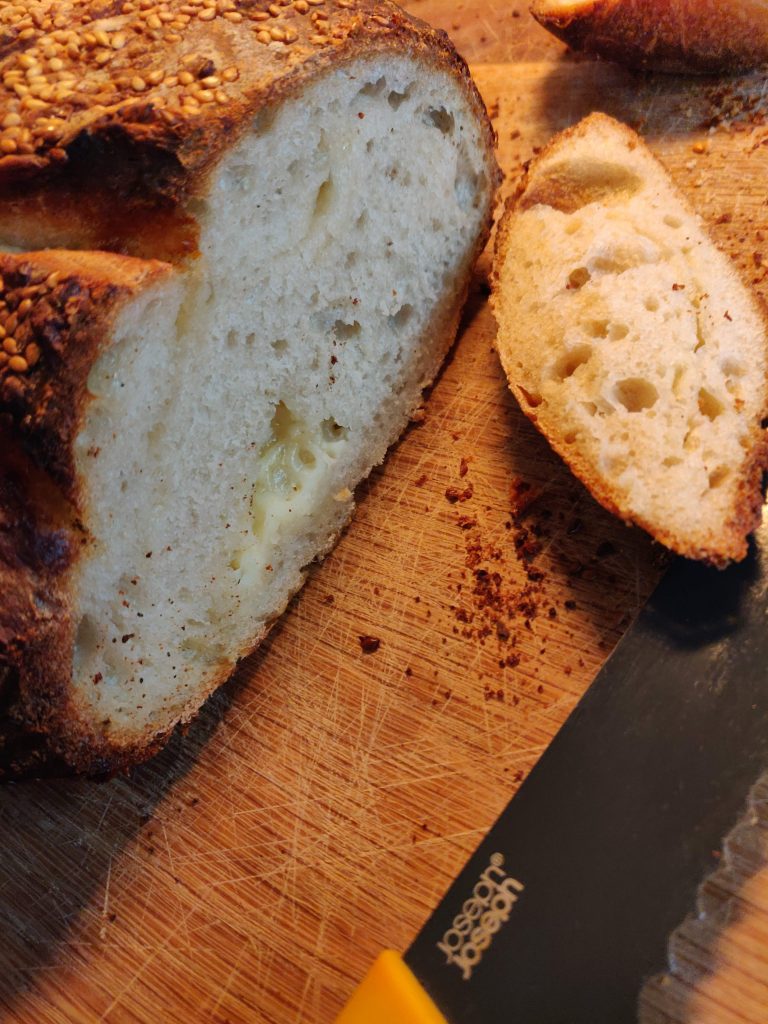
[632, 344]
[180, 437]
[688, 36]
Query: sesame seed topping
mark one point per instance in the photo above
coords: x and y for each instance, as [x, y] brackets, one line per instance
[68, 59]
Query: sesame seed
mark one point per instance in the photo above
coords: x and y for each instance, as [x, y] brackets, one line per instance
[18, 364]
[32, 354]
[52, 280]
[67, 58]
[10, 346]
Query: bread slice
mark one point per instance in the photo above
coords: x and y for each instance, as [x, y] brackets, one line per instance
[631, 343]
[688, 36]
[181, 436]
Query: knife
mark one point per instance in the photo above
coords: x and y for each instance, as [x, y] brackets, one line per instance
[566, 907]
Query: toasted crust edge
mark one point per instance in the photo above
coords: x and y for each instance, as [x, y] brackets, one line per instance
[688, 37]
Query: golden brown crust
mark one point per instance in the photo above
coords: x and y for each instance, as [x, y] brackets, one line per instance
[131, 103]
[55, 312]
[687, 36]
[728, 545]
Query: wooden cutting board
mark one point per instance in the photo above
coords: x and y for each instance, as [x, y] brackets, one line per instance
[320, 806]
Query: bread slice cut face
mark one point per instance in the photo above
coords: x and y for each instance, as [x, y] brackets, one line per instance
[204, 425]
[632, 344]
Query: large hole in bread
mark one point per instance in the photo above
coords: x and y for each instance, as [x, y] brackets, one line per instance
[578, 278]
[597, 328]
[636, 394]
[570, 362]
[373, 88]
[396, 99]
[709, 405]
[441, 119]
[571, 185]
[344, 331]
[700, 336]
[292, 465]
[399, 319]
[323, 199]
[718, 476]
[531, 398]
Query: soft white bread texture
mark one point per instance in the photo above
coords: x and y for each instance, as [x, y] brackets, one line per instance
[226, 408]
[693, 36]
[631, 343]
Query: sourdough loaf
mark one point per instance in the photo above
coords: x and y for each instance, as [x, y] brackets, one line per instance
[238, 236]
[631, 343]
[693, 36]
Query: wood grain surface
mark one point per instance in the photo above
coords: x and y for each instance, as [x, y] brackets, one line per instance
[326, 797]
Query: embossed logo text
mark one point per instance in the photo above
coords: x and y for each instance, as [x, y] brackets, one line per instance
[482, 915]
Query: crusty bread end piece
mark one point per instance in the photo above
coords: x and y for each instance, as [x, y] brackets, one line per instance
[687, 36]
[632, 344]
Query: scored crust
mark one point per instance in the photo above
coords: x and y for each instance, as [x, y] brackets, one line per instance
[687, 36]
[538, 187]
[114, 112]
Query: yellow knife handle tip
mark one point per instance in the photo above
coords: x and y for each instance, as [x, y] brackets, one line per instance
[390, 992]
